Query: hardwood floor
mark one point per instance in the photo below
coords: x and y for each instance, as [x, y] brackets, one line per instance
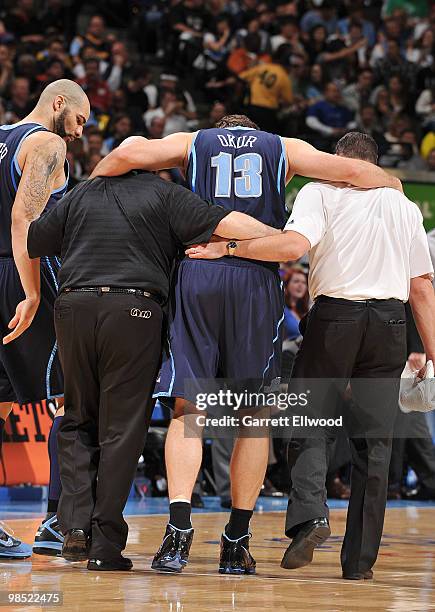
[404, 573]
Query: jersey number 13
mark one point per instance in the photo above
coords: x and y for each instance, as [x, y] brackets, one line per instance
[248, 183]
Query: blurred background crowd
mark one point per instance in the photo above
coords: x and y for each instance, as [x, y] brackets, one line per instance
[312, 69]
[307, 68]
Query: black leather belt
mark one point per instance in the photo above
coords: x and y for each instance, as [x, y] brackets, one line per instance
[327, 298]
[100, 290]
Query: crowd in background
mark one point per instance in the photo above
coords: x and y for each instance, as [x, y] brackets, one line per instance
[312, 69]
[307, 68]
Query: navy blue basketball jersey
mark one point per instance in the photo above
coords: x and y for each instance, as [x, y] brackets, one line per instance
[240, 169]
[11, 139]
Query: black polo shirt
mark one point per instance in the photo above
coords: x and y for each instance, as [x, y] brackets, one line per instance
[122, 231]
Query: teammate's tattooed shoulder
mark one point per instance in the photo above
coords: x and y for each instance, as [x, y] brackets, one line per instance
[42, 165]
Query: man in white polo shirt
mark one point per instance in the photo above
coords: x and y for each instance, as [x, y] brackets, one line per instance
[368, 255]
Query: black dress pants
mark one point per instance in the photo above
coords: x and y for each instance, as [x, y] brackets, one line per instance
[110, 347]
[413, 447]
[350, 341]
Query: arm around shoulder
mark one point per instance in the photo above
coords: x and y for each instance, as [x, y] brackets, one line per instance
[306, 160]
[142, 154]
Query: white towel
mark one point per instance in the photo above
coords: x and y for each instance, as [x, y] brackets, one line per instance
[417, 394]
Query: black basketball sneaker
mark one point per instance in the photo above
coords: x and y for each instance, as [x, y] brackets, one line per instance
[173, 554]
[48, 538]
[235, 556]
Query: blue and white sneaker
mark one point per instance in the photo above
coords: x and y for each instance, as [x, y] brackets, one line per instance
[48, 538]
[10, 547]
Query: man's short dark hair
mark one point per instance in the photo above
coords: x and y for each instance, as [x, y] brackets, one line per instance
[359, 146]
[235, 121]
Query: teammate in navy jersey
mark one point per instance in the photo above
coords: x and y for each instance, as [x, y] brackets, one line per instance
[33, 176]
[226, 314]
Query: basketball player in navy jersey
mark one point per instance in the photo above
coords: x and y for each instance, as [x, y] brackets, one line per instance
[227, 317]
[33, 177]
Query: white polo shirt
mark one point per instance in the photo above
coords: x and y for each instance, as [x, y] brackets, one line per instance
[365, 244]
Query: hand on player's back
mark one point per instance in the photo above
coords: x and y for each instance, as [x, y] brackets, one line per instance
[212, 250]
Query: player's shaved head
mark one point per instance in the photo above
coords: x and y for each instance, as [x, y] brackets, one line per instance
[71, 91]
[236, 121]
[63, 107]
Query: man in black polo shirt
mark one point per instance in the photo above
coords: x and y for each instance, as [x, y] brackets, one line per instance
[118, 238]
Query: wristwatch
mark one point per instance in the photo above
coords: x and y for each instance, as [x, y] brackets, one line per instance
[231, 247]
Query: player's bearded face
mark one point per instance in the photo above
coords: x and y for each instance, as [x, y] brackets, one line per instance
[60, 125]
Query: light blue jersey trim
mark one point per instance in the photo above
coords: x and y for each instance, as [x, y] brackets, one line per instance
[53, 275]
[171, 385]
[17, 150]
[240, 127]
[48, 372]
[273, 344]
[282, 162]
[65, 185]
[14, 162]
[54, 350]
[192, 157]
[15, 125]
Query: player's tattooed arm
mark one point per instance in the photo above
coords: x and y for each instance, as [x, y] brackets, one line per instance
[42, 167]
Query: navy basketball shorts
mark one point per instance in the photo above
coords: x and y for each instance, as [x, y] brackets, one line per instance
[30, 369]
[225, 322]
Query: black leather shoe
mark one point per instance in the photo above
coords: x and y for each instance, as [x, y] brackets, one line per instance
[300, 552]
[367, 575]
[75, 545]
[235, 557]
[173, 553]
[121, 564]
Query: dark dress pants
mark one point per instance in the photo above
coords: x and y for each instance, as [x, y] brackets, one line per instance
[110, 347]
[346, 340]
[413, 447]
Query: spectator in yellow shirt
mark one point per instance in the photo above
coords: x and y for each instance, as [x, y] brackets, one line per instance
[269, 89]
[427, 144]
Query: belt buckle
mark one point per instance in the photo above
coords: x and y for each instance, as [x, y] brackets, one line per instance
[105, 289]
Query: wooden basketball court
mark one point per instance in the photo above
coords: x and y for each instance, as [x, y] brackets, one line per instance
[404, 573]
